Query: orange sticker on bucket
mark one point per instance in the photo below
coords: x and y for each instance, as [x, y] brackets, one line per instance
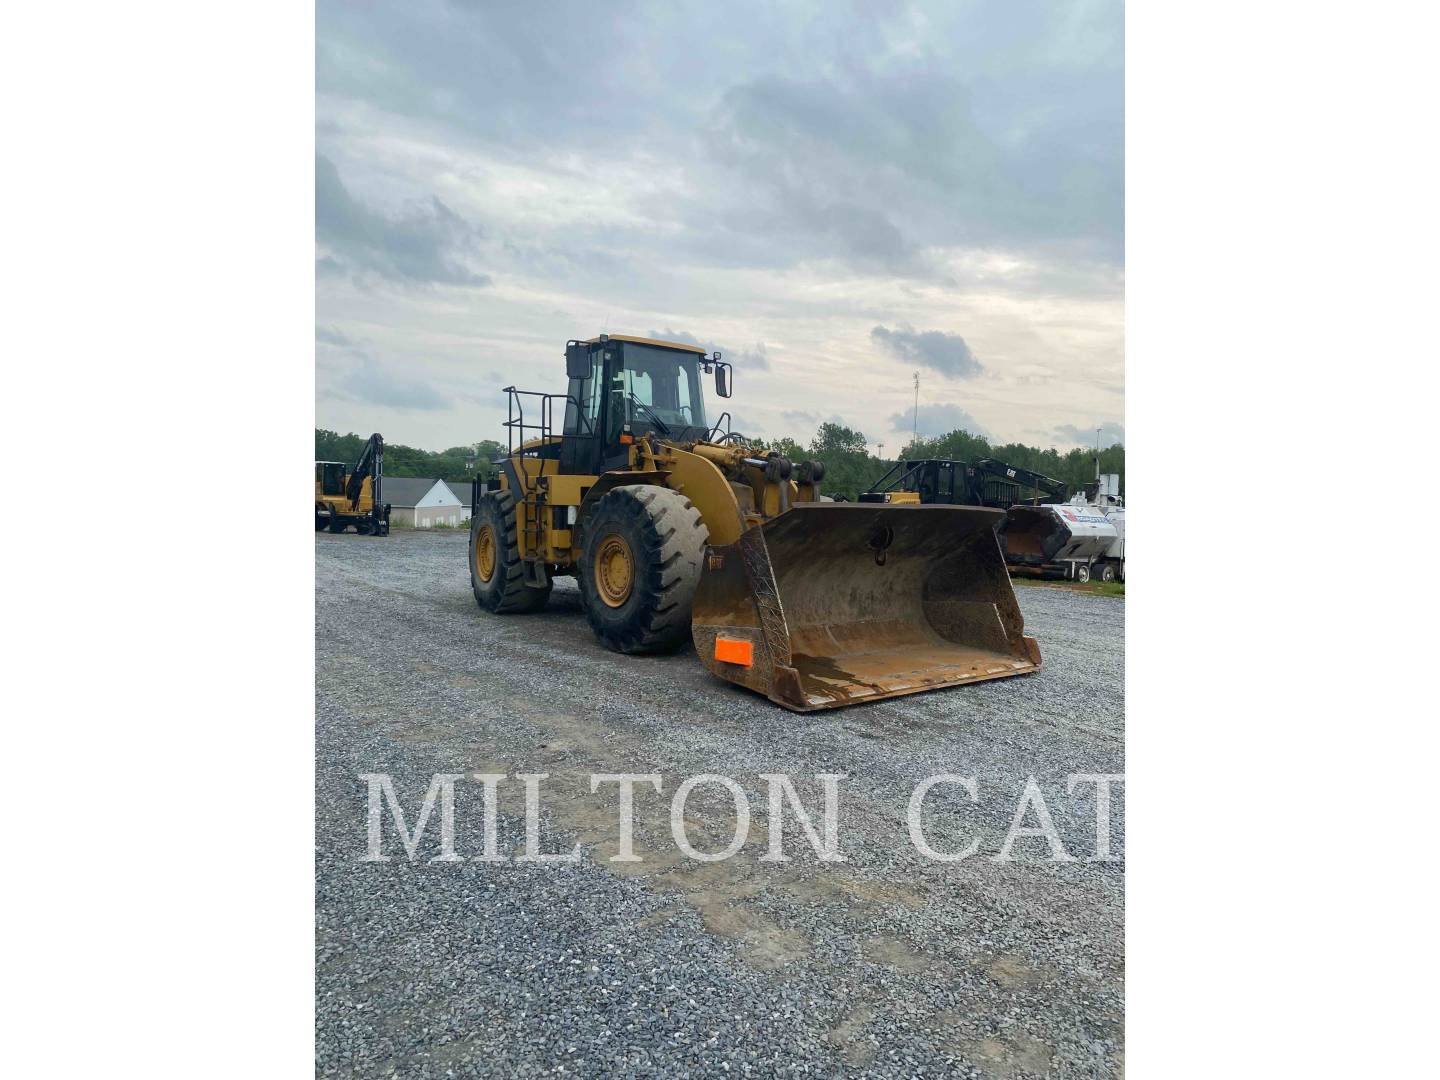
[734, 652]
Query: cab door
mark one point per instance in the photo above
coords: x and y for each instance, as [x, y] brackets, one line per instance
[583, 434]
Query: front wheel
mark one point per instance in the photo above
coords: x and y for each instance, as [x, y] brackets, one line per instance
[497, 573]
[641, 554]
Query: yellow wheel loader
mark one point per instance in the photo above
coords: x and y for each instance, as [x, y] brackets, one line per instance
[346, 497]
[678, 530]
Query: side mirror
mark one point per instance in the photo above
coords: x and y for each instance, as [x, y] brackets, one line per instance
[577, 360]
[722, 379]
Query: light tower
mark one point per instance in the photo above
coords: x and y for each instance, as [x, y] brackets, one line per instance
[915, 421]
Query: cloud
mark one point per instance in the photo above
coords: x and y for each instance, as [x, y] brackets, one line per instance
[1110, 434]
[940, 419]
[428, 243]
[946, 353]
[329, 335]
[679, 336]
[894, 128]
[371, 383]
[367, 381]
[829, 168]
[755, 358]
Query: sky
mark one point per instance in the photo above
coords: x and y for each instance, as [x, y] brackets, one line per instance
[834, 195]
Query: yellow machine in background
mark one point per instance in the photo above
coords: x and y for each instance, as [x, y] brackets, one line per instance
[676, 530]
[346, 497]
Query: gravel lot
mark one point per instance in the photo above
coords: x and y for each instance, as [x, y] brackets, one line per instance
[887, 964]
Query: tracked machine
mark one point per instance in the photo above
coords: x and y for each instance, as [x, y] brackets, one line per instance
[352, 497]
[987, 482]
[680, 530]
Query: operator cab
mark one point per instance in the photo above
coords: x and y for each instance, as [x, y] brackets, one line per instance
[331, 475]
[933, 480]
[624, 387]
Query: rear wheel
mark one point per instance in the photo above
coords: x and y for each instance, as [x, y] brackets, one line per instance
[1082, 573]
[640, 561]
[496, 569]
[1107, 572]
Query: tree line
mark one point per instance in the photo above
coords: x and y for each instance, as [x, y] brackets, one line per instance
[850, 468]
[458, 464]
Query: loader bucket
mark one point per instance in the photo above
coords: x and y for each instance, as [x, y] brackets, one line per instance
[833, 604]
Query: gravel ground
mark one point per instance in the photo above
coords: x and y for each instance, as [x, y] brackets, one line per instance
[887, 964]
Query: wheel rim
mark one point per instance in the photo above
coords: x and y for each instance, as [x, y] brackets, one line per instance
[485, 553]
[614, 570]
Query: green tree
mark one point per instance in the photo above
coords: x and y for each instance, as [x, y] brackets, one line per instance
[849, 466]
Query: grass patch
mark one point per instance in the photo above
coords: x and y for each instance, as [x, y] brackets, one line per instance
[1094, 588]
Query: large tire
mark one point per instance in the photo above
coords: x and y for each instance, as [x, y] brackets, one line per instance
[1106, 572]
[337, 525]
[320, 523]
[496, 569]
[660, 536]
[1082, 573]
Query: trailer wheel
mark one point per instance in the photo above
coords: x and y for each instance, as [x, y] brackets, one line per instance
[1082, 573]
[641, 554]
[1107, 572]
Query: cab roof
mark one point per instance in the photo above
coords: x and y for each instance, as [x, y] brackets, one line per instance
[650, 341]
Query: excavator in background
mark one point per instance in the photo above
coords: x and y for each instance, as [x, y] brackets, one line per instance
[679, 530]
[346, 497]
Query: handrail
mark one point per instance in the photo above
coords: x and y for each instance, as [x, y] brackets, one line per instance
[517, 427]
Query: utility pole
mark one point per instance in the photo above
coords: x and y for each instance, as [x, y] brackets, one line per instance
[915, 422]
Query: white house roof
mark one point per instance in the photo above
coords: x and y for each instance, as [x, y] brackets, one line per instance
[408, 491]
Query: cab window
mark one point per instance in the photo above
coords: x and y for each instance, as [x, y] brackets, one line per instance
[659, 384]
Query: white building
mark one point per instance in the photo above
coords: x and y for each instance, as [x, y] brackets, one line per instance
[420, 503]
